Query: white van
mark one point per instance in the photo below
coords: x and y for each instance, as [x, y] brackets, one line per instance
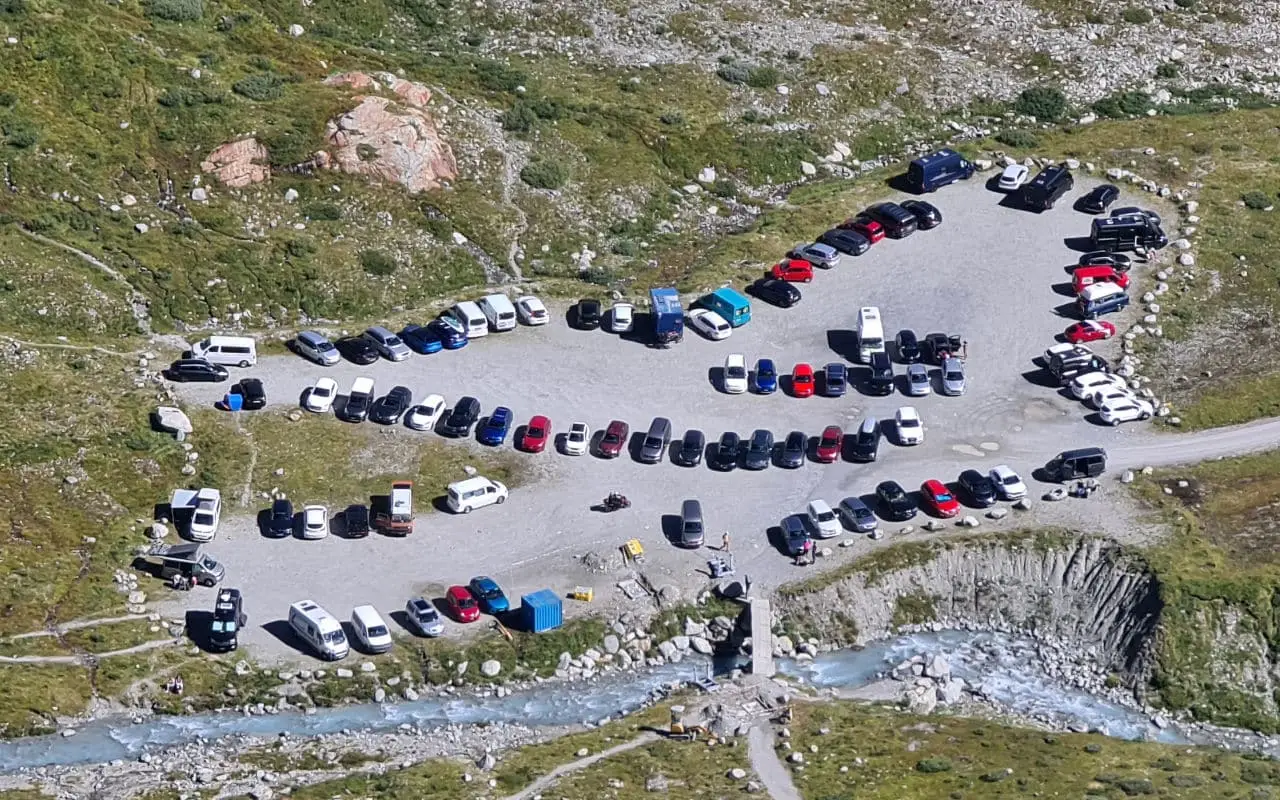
[229, 351]
[319, 629]
[472, 319]
[870, 333]
[499, 311]
[371, 631]
[475, 492]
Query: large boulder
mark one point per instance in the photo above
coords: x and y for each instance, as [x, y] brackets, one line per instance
[239, 163]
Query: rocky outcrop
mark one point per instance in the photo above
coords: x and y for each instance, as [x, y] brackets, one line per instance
[1084, 591]
[239, 163]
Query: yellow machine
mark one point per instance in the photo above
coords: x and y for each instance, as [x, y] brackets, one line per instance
[680, 727]
[584, 593]
[632, 550]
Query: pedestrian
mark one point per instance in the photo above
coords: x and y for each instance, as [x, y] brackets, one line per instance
[964, 349]
[724, 542]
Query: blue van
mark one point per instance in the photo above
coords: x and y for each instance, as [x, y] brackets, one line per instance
[730, 304]
[932, 172]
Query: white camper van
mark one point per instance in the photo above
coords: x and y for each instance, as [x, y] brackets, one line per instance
[229, 351]
[472, 318]
[870, 333]
[499, 311]
[319, 629]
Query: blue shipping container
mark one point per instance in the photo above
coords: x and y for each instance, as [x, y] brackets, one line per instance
[541, 611]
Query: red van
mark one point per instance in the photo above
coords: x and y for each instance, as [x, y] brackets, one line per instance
[1085, 276]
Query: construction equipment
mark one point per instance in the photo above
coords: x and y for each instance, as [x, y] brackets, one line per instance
[721, 566]
[633, 551]
[583, 593]
[680, 729]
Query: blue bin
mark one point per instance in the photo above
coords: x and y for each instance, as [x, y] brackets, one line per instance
[235, 402]
[541, 611]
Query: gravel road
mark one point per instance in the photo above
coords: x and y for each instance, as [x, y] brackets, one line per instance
[988, 273]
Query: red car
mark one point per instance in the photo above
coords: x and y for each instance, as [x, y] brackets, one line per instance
[802, 381]
[1087, 276]
[1090, 331]
[864, 225]
[536, 434]
[615, 438]
[462, 605]
[939, 499]
[829, 444]
[793, 270]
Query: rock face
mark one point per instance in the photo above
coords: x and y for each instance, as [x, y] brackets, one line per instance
[239, 163]
[389, 138]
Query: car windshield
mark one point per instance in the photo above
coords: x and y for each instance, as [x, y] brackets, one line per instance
[764, 372]
[908, 422]
[954, 375]
[535, 431]
[321, 390]
[577, 435]
[224, 626]
[335, 637]
[466, 602]
[825, 516]
[737, 372]
[377, 630]
[803, 378]
[611, 436]
[830, 439]
[1010, 480]
[392, 341]
[203, 518]
[943, 497]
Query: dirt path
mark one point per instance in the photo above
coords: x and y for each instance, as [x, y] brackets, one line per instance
[138, 303]
[86, 658]
[768, 767]
[81, 347]
[78, 625]
[573, 766]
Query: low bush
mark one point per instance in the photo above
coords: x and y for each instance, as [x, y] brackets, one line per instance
[1257, 201]
[13, 8]
[520, 118]
[20, 133]
[259, 87]
[322, 211]
[931, 765]
[1042, 102]
[175, 10]
[734, 73]
[1169, 69]
[1123, 104]
[376, 262]
[1137, 16]
[545, 174]
[763, 77]
[499, 77]
[1019, 139]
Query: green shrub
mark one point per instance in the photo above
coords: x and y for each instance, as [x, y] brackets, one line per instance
[376, 262]
[1022, 140]
[1169, 69]
[520, 118]
[1137, 16]
[8, 100]
[1042, 102]
[763, 77]
[1123, 104]
[499, 77]
[20, 133]
[322, 211]
[13, 8]
[931, 765]
[259, 87]
[626, 247]
[545, 174]
[175, 10]
[1256, 200]
[301, 247]
[724, 188]
[673, 117]
[734, 73]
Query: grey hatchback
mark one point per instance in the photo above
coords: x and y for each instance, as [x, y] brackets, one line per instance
[817, 254]
[952, 377]
[794, 534]
[856, 515]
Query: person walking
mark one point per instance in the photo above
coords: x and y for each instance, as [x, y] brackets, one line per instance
[724, 542]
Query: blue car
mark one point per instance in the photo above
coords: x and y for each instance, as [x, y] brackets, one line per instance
[421, 340]
[450, 337]
[496, 426]
[489, 594]
[766, 376]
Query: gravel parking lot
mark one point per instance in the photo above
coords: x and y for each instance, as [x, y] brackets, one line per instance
[988, 273]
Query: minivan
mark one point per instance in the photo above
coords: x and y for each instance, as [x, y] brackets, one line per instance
[472, 318]
[231, 351]
[475, 493]
[1127, 232]
[1069, 465]
[898, 222]
[370, 630]
[932, 172]
[1101, 298]
[316, 347]
[1046, 188]
[388, 345]
[319, 630]
[692, 530]
[499, 312]
[655, 441]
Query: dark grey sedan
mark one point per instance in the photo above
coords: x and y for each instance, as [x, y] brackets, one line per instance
[793, 450]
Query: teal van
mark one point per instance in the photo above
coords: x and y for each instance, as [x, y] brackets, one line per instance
[730, 304]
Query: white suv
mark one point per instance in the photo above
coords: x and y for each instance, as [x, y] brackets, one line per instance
[823, 520]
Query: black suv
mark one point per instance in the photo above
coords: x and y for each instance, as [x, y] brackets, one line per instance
[462, 418]
[1098, 200]
[848, 242]
[391, 407]
[881, 378]
[355, 521]
[588, 313]
[253, 395]
[939, 346]
[895, 504]
[776, 292]
[898, 223]
[725, 457]
[978, 488]
[907, 346]
[1046, 188]
[196, 369]
[228, 619]
[759, 450]
[927, 215]
[357, 350]
[866, 442]
[281, 524]
[691, 446]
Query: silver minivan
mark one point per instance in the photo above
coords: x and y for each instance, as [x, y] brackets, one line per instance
[387, 343]
[656, 440]
[692, 530]
[316, 347]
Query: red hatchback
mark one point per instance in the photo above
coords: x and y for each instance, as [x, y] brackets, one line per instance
[802, 380]
[829, 444]
[1090, 330]
[864, 225]
[939, 499]
[615, 438]
[536, 434]
[462, 605]
[793, 270]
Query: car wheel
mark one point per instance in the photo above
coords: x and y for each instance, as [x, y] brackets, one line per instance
[1145, 417]
[501, 499]
[466, 509]
[1115, 422]
[244, 365]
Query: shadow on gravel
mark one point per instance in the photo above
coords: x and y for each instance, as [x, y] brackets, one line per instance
[1067, 310]
[1080, 244]
[715, 376]
[1065, 289]
[400, 618]
[1040, 377]
[844, 343]
[283, 631]
[198, 622]
[776, 540]
[671, 528]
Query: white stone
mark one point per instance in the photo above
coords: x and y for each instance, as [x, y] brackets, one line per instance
[142, 227]
[199, 194]
[1186, 259]
[296, 30]
[343, 672]
[808, 169]
[969, 522]
[700, 645]
[782, 90]
[1182, 244]
[490, 668]
[611, 643]
[291, 195]
[707, 175]
[459, 239]
[129, 200]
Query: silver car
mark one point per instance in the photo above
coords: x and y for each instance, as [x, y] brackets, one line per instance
[918, 380]
[817, 254]
[952, 377]
[388, 344]
[424, 616]
[317, 348]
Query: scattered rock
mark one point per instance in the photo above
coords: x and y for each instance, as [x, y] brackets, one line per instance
[200, 194]
[491, 668]
[296, 30]
[808, 169]
[291, 196]
[239, 163]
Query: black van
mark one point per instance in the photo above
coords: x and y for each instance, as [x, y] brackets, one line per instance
[1070, 465]
[932, 172]
[1046, 188]
[1128, 232]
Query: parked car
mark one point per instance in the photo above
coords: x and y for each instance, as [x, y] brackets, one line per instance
[320, 396]
[725, 455]
[355, 521]
[895, 504]
[735, 374]
[766, 376]
[653, 447]
[196, 369]
[391, 407]
[315, 521]
[793, 270]
[425, 415]
[317, 347]
[357, 350]
[795, 532]
[1110, 394]
[939, 499]
[926, 214]
[775, 292]
[978, 488]
[536, 434]
[835, 380]
[1087, 276]
[622, 318]
[829, 444]
[450, 332]
[281, 522]
[856, 515]
[462, 605]
[461, 419]
[898, 223]
[1068, 350]
[692, 444]
[252, 393]
[848, 242]
[1125, 410]
[1047, 187]
[937, 346]
[495, 428]
[423, 616]
[531, 310]
[1083, 387]
[1008, 483]
[759, 450]
[489, 595]
[793, 450]
[822, 519]
[615, 439]
[880, 377]
[577, 440]
[1012, 178]
[388, 345]
[1099, 199]
[359, 401]
[907, 346]
[953, 382]
[421, 339]
[871, 230]
[693, 529]
[866, 442]
[817, 254]
[1091, 330]
[588, 313]
[918, 384]
[802, 381]
[1105, 258]
[908, 426]
[709, 324]
[1126, 211]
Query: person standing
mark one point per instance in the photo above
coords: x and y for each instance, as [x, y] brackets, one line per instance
[724, 542]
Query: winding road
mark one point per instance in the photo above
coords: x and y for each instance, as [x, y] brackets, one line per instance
[1188, 448]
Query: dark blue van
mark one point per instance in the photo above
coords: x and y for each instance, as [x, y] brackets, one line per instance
[932, 172]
